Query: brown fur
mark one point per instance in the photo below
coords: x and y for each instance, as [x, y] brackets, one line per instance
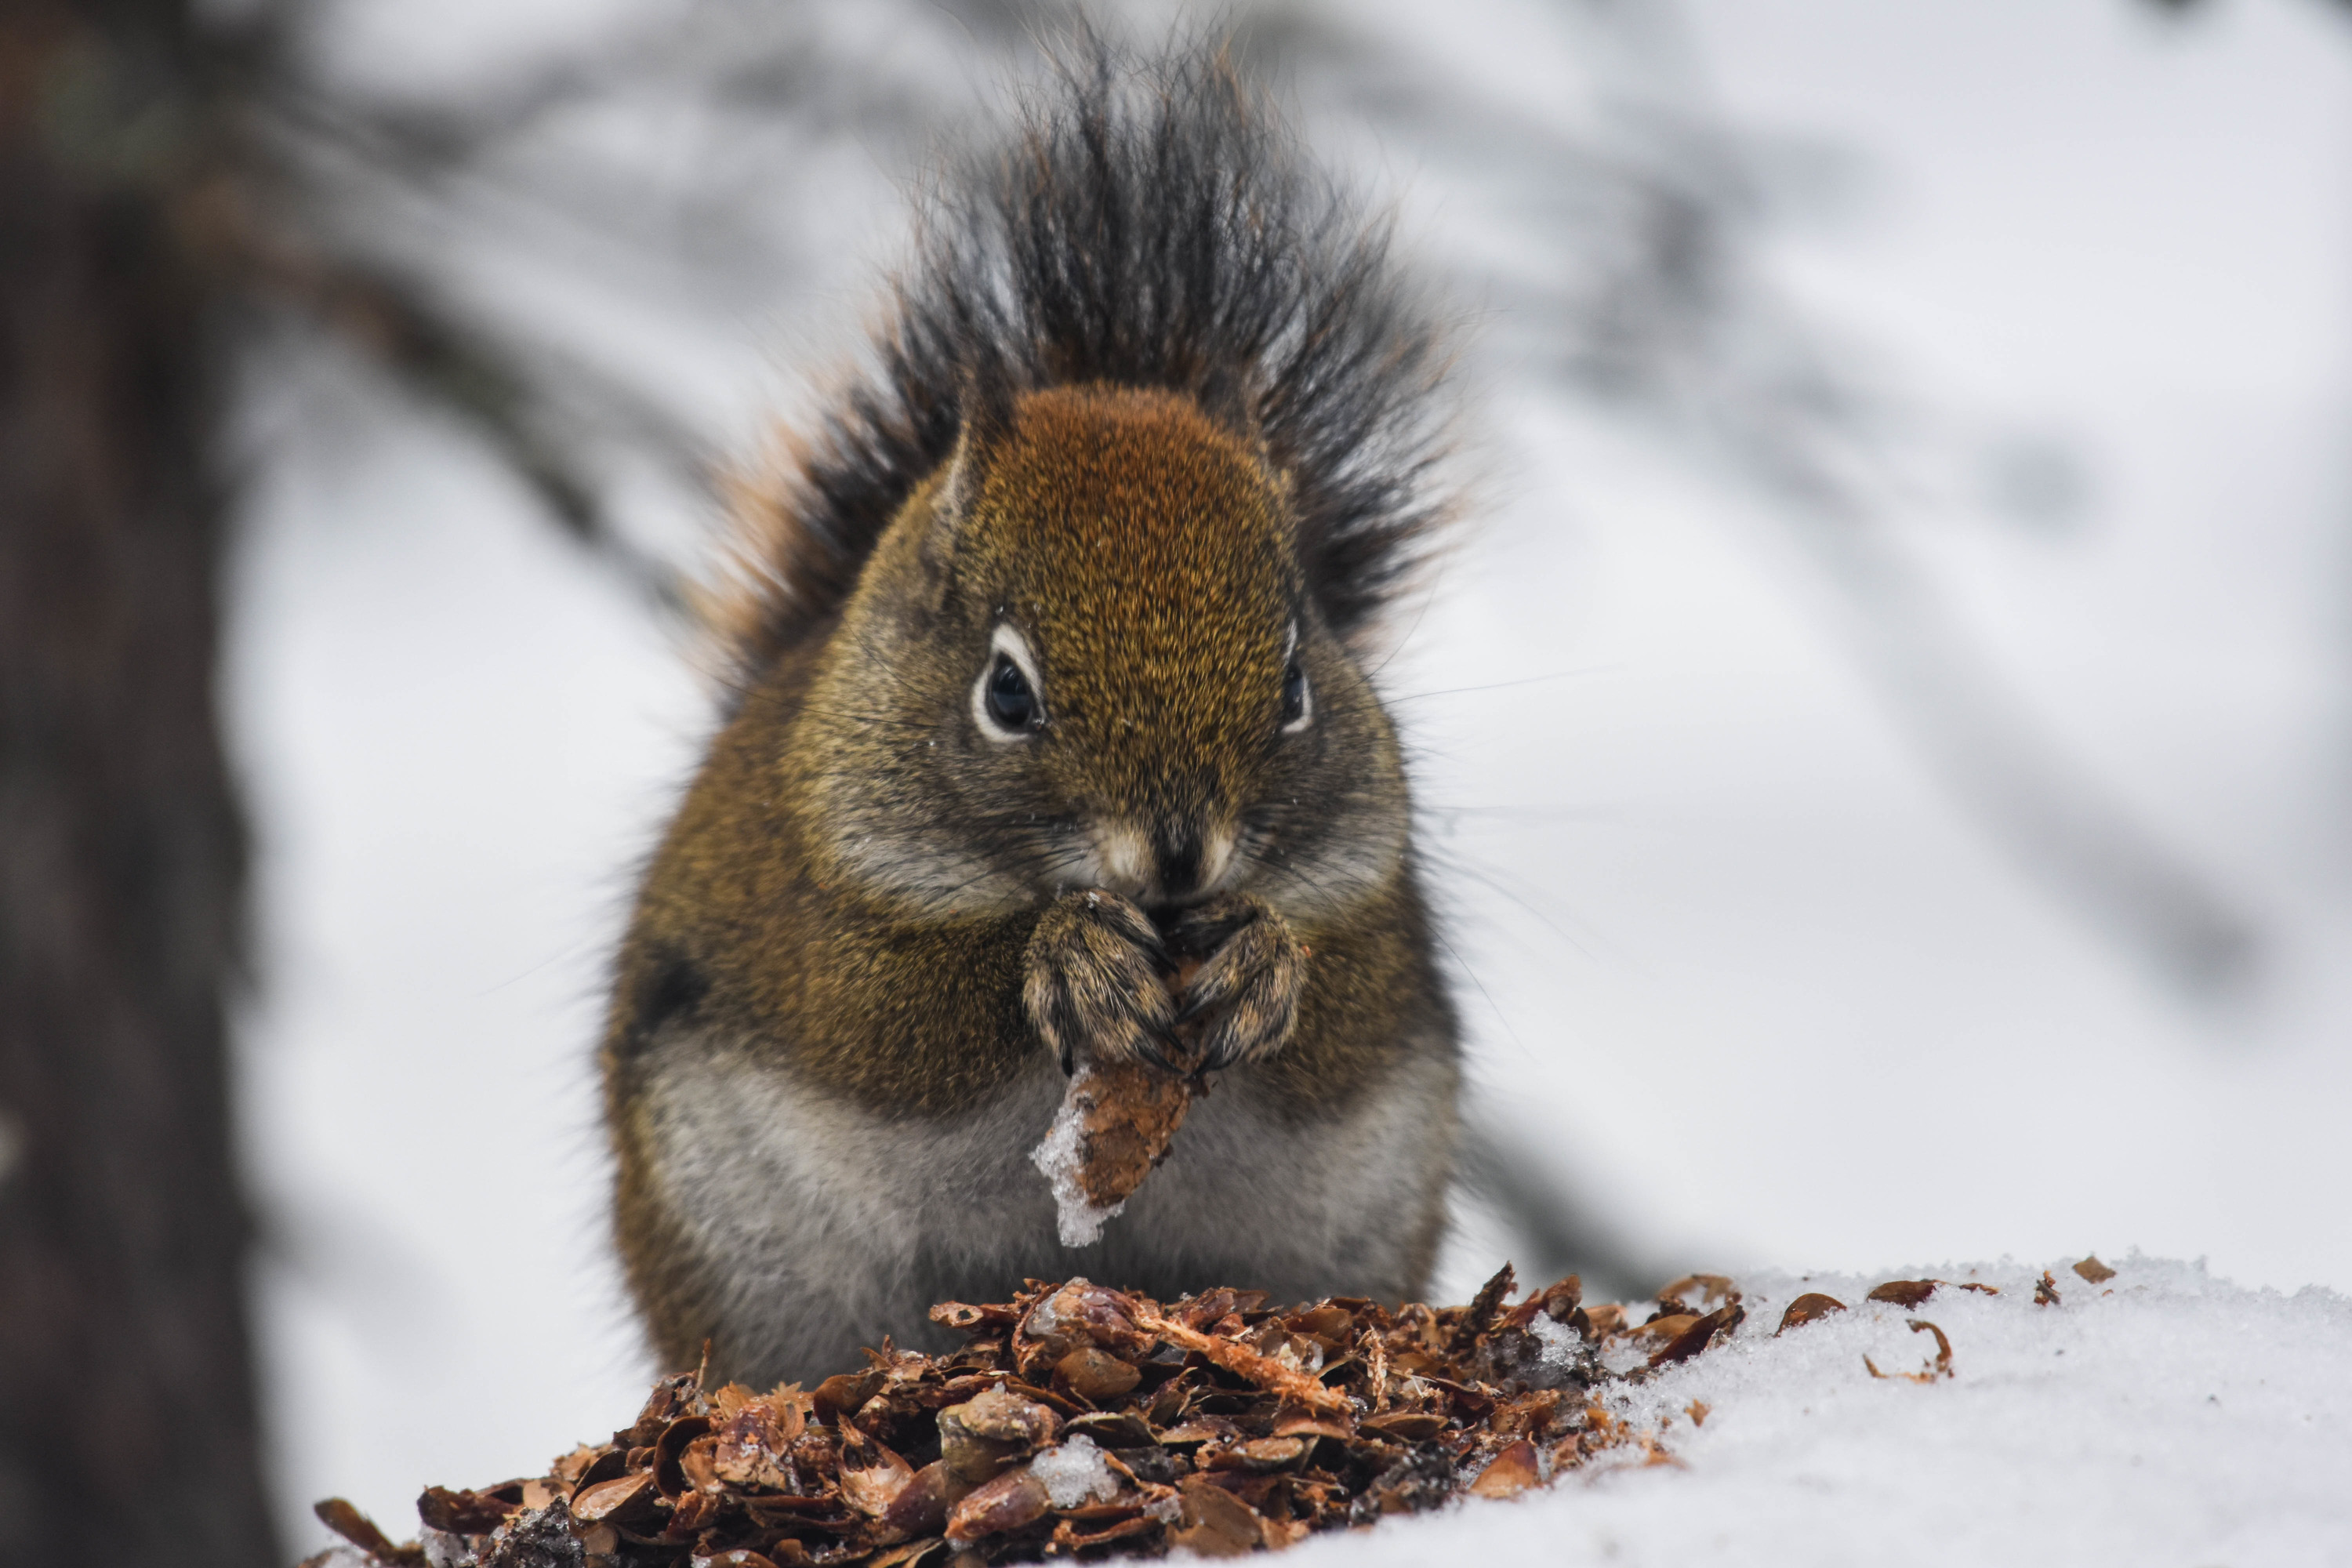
[1145, 554]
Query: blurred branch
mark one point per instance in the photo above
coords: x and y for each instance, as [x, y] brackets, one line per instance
[1558, 1230]
[2047, 810]
[508, 400]
[2182, 8]
[1647, 299]
[330, 214]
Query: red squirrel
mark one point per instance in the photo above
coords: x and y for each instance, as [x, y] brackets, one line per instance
[1050, 658]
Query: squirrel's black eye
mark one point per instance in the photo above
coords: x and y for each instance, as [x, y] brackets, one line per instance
[1005, 704]
[1297, 701]
[1009, 702]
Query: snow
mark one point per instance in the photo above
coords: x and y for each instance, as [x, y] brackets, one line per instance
[2163, 1417]
[1075, 1472]
[1079, 1221]
[1560, 1342]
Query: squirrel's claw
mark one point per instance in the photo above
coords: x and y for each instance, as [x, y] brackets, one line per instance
[1250, 985]
[1093, 984]
[1166, 1052]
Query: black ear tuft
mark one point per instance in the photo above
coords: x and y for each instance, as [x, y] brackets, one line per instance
[1153, 226]
[1224, 394]
[985, 409]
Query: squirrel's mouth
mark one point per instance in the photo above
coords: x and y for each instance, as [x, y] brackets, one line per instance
[1167, 864]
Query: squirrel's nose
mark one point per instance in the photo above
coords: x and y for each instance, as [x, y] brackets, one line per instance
[1177, 849]
[1179, 860]
[1191, 860]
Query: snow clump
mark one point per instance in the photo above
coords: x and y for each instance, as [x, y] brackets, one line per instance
[1075, 1472]
[1079, 1222]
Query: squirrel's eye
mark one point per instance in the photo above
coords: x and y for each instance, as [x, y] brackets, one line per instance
[1007, 700]
[1004, 702]
[1298, 700]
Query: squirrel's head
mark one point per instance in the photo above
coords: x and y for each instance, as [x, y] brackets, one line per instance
[1084, 655]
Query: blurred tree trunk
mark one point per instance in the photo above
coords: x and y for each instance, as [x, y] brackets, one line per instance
[126, 1413]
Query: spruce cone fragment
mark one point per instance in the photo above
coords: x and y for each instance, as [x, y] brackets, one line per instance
[1115, 1124]
[1117, 1121]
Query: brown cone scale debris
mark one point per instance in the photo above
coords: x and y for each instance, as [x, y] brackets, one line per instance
[1076, 1421]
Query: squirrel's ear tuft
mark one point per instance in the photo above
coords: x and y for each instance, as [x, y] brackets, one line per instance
[1225, 395]
[986, 407]
[958, 493]
[984, 410]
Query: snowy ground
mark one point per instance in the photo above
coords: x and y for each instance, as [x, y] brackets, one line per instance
[1733, 959]
[2166, 1417]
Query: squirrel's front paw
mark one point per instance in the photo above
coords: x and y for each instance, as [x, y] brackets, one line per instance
[1249, 983]
[1094, 963]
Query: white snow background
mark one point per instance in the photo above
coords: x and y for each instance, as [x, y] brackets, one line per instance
[1736, 965]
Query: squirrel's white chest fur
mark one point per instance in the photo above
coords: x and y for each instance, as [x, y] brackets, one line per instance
[831, 1226]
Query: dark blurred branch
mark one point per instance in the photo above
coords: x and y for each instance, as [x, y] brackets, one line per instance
[1654, 304]
[2182, 8]
[127, 1426]
[1558, 1229]
[504, 398]
[301, 221]
[1982, 741]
